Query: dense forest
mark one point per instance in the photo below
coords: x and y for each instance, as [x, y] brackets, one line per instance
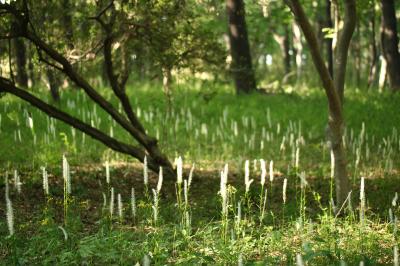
[127, 128]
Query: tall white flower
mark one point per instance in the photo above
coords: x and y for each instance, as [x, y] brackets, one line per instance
[239, 212]
[160, 180]
[332, 164]
[133, 202]
[30, 122]
[297, 157]
[263, 171]
[17, 181]
[145, 172]
[271, 171]
[247, 180]
[394, 200]
[155, 205]
[107, 172]
[362, 200]
[223, 189]
[179, 170]
[191, 175]
[362, 190]
[10, 212]
[66, 175]
[299, 260]
[45, 181]
[284, 190]
[146, 260]
[185, 191]
[120, 207]
[112, 202]
[303, 180]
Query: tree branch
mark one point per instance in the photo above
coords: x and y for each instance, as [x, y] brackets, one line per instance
[134, 129]
[334, 103]
[117, 87]
[9, 87]
[343, 44]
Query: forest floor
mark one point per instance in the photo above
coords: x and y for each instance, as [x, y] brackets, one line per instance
[208, 132]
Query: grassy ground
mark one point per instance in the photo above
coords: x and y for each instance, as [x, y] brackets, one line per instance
[208, 129]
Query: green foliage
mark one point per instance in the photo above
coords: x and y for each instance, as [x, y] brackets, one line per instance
[304, 225]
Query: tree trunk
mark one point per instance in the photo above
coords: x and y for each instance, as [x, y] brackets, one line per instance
[239, 45]
[54, 84]
[332, 87]
[390, 43]
[31, 68]
[286, 48]
[342, 47]
[67, 23]
[328, 41]
[21, 61]
[373, 51]
[298, 45]
[382, 74]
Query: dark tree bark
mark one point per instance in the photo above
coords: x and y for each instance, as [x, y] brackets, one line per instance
[332, 87]
[286, 48]
[239, 45]
[390, 43]
[373, 50]
[328, 41]
[53, 84]
[20, 57]
[67, 23]
[21, 62]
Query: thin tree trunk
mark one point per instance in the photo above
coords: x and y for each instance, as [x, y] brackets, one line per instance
[382, 74]
[284, 44]
[328, 41]
[67, 23]
[335, 121]
[373, 50]
[298, 45]
[342, 47]
[358, 58]
[390, 43]
[31, 67]
[54, 84]
[286, 48]
[239, 45]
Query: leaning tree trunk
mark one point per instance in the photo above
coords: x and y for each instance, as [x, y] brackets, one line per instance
[390, 43]
[332, 87]
[239, 45]
[126, 118]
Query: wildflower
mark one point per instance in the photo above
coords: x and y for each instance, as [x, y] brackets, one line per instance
[263, 171]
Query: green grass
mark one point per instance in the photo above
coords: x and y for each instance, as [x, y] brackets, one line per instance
[207, 138]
